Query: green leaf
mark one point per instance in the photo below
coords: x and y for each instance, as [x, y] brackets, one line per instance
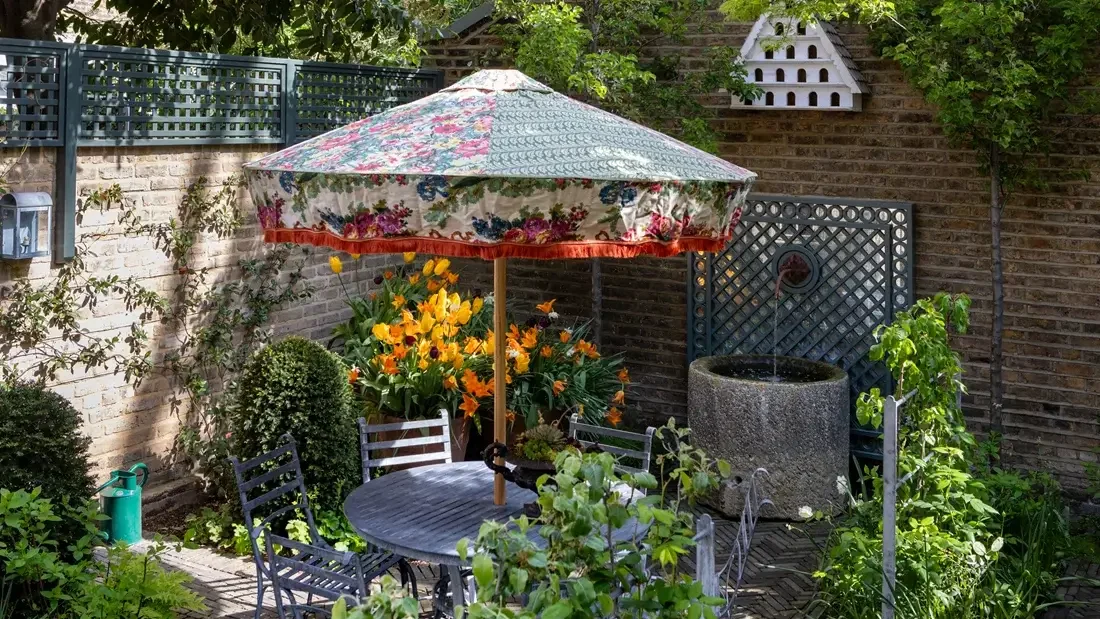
[483, 571]
[560, 610]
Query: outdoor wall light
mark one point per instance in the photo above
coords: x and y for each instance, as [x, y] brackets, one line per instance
[25, 225]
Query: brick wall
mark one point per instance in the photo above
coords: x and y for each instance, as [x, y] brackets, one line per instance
[128, 424]
[893, 150]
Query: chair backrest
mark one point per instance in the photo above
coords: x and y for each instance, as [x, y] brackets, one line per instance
[634, 451]
[417, 449]
[267, 480]
[315, 572]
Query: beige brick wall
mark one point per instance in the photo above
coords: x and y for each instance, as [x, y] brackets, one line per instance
[128, 424]
[893, 150]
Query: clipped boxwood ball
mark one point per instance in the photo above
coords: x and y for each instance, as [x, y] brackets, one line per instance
[41, 445]
[296, 386]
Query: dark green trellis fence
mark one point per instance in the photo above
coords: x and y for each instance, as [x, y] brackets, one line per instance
[858, 258]
[66, 96]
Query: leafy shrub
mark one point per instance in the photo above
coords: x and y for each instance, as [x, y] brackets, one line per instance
[295, 386]
[41, 582]
[972, 540]
[41, 446]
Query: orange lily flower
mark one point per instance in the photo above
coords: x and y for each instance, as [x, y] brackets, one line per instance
[614, 416]
[620, 397]
[450, 383]
[624, 376]
[469, 405]
[559, 386]
[546, 307]
[398, 301]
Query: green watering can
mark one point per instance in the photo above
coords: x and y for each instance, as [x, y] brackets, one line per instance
[121, 497]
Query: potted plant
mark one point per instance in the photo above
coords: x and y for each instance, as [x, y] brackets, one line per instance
[553, 371]
[408, 344]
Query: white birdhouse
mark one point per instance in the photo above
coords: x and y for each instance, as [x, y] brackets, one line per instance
[800, 66]
[25, 224]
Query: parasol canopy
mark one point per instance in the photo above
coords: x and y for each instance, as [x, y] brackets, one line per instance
[498, 165]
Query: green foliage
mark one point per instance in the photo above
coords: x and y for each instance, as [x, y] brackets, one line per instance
[296, 386]
[579, 571]
[41, 445]
[335, 30]
[45, 577]
[219, 528]
[609, 51]
[41, 330]
[973, 540]
[218, 318]
[541, 443]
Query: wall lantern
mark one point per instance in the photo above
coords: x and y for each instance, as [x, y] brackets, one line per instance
[25, 225]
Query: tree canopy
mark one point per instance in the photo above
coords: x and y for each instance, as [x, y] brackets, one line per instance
[607, 52]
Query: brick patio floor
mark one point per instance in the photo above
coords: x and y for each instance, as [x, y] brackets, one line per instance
[777, 583]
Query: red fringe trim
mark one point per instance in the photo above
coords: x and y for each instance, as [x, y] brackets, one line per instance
[461, 249]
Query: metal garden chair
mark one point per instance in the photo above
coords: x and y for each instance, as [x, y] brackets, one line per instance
[273, 483]
[315, 572]
[634, 457]
[374, 453]
[382, 453]
[725, 582]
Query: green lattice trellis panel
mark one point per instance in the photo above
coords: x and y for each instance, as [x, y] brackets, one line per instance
[859, 254]
[31, 97]
[156, 97]
[329, 95]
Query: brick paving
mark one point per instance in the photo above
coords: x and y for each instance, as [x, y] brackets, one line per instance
[777, 582]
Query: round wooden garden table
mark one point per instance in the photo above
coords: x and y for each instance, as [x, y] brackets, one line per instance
[422, 513]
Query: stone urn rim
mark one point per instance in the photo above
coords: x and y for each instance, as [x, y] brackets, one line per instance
[833, 373]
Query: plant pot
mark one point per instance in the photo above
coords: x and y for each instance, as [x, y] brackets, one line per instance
[460, 438]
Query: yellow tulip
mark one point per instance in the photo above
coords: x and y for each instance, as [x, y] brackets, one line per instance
[463, 315]
[441, 266]
[478, 304]
[428, 266]
[409, 256]
[335, 264]
[426, 324]
[381, 331]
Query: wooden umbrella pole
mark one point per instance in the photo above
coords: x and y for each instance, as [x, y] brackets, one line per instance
[500, 367]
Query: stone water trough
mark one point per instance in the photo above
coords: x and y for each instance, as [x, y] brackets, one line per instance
[791, 418]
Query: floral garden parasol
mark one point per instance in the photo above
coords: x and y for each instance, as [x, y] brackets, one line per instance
[498, 166]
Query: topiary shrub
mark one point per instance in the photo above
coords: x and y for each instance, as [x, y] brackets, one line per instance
[296, 386]
[41, 445]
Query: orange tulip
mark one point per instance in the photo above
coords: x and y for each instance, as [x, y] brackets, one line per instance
[564, 337]
[624, 376]
[398, 301]
[353, 375]
[450, 383]
[620, 397]
[547, 352]
[559, 386]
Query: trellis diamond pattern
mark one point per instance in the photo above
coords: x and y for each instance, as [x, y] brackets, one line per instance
[862, 253]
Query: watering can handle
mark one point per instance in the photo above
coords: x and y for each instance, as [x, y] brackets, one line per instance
[140, 466]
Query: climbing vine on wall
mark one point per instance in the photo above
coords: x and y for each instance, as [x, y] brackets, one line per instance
[216, 314]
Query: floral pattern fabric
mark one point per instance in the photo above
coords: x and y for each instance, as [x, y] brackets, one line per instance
[491, 218]
[498, 165]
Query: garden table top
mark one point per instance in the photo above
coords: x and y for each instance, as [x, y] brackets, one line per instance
[423, 512]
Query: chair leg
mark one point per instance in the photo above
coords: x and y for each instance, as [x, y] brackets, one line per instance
[407, 567]
[260, 586]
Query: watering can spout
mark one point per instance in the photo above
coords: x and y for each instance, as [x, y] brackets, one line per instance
[121, 499]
